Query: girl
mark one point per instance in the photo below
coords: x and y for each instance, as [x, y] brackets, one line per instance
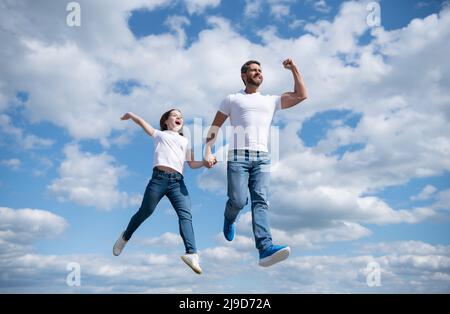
[170, 153]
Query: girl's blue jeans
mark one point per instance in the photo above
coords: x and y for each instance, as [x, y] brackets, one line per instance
[170, 185]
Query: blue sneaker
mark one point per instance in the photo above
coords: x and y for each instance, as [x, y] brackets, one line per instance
[228, 229]
[273, 255]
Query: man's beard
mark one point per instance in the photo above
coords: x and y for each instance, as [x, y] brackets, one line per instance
[252, 81]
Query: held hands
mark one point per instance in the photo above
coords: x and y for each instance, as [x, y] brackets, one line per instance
[288, 64]
[209, 161]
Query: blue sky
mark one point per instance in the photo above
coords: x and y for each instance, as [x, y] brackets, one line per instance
[363, 173]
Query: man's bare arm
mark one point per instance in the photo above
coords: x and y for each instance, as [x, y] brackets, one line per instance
[218, 121]
[299, 94]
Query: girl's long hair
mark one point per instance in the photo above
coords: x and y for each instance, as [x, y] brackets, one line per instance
[164, 117]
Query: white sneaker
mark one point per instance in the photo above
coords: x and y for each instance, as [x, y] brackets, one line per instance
[192, 261]
[119, 245]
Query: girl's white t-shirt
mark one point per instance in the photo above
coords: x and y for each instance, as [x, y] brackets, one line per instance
[170, 150]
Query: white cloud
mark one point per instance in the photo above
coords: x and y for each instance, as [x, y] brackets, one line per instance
[42, 165]
[297, 24]
[422, 4]
[222, 254]
[280, 10]
[426, 193]
[26, 141]
[401, 264]
[443, 200]
[342, 33]
[252, 8]
[176, 24]
[337, 231]
[320, 6]
[199, 6]
[160, 272]
[406, 248]
[23, 225]
[167, 239]
[65, 67]
[300, 196]
[323, 70]
[242, 243]
[20, 228]
[89, 180]
[311, 237]
[56, 98]
[13, 163]
[327, 274]
[24, 270]
[214, 179]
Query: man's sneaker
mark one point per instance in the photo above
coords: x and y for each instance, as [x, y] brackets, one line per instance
[192, 261]
[119, 245]
[228, 229]
[273, 255]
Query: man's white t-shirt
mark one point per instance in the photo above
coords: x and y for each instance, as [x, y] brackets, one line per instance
[170, 150]
[251, 117]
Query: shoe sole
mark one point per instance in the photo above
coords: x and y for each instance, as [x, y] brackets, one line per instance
[195, 269]
[276, 257]
[229, 239]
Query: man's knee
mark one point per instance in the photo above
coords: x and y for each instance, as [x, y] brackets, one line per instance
[184, 215]
[238, 203]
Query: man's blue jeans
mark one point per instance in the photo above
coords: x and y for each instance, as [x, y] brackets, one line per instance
[172, 185]
[250, 169]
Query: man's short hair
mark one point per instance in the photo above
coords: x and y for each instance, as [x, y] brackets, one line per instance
[246, 65]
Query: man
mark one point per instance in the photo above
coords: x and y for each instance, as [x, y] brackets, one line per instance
[251, 116]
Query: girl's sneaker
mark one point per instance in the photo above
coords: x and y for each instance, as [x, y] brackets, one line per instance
[119, 245]
[192, 261]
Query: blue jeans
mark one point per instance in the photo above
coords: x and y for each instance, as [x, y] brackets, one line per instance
[250, 169]
[171, 185]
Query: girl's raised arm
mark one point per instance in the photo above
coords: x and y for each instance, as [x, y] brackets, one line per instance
[139, 121]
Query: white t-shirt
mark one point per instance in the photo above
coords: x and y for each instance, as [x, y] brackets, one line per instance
[251, 117]
[170, 150]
